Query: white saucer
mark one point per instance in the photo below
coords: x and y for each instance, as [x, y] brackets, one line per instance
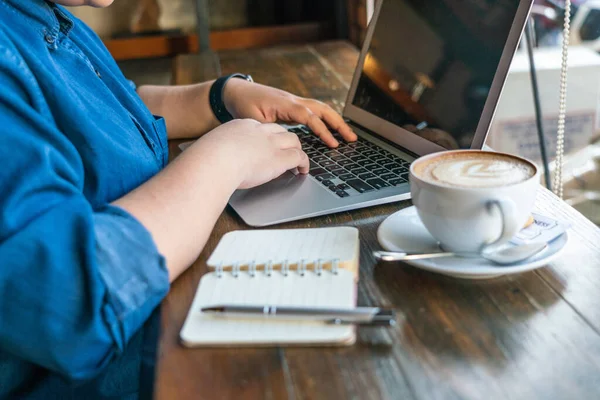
[403, 231]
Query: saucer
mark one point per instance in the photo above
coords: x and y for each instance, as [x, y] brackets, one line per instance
[404, 231]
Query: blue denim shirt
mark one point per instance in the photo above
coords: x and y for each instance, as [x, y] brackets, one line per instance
[78, 277]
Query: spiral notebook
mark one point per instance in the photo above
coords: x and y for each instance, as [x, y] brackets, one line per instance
[294, 267]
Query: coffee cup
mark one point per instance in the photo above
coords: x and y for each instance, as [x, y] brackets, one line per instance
[471, 200]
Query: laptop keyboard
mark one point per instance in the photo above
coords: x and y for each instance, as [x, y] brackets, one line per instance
[352, 168]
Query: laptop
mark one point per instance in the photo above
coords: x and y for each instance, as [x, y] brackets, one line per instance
[428, 79]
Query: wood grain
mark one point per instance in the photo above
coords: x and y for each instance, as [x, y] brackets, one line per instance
[529, 336]
[193, 68]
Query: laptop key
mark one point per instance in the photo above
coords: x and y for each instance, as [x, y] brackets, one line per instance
[327, 182]
[338, 171]
[346, 177]
[338, 157]
[364, 162]
[317, 171]
[359, 185]
[324, 177]
[388, 177]
[372, 167]
[320, 146]
[343, 186]
[404, 176]
[369, 152]
[320, 159]
[345, 162]
[377, 157]
[392, 165]
[366, 176]
[331, 152]
[397, 182]
[380, 171]
[345, 150]
[378, 183]
[327, 163]
[342, 193]
[399, 171]
[358, 170]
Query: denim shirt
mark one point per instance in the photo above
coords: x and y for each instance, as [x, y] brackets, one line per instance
[78, 276]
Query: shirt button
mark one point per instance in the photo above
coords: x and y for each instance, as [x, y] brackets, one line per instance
[49, 38]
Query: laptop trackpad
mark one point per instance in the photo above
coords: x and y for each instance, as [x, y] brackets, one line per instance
[281, 199]
[287, 185]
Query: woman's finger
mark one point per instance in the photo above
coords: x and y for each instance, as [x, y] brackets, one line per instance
[302, 114]
[287, 140]
[332, 118]
[294, 158]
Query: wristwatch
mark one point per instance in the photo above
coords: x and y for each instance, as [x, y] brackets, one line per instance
[215, 96]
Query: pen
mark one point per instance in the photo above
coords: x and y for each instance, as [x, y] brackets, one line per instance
[370, 316]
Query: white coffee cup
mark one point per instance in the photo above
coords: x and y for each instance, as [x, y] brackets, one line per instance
[480, 212]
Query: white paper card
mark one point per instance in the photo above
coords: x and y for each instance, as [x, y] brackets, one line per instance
[543, 230]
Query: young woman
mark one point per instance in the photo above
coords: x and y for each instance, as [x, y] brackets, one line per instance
[93, 224]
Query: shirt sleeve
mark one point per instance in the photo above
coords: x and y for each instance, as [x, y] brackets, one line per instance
[75, 283]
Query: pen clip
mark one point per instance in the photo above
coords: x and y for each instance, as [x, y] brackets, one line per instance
[383, 318]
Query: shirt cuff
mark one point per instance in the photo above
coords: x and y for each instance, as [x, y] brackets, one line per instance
[132, 269]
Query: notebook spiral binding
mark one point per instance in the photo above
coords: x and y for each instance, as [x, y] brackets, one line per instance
[285, 268]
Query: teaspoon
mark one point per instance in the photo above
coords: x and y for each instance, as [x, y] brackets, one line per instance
[509, 255]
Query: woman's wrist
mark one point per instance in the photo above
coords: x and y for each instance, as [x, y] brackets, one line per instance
[230, 97]
[217, 158]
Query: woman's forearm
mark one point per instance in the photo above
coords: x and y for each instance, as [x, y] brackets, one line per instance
[185, 108]
[181, 204]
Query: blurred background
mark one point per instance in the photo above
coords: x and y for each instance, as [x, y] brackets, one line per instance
[152, 38]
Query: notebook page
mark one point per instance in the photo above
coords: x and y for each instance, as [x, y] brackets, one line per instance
[326, 290]
[293, 245]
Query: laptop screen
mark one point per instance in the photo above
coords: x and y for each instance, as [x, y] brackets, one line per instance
[431, 63]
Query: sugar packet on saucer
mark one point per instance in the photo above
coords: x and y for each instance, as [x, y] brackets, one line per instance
[542, 230]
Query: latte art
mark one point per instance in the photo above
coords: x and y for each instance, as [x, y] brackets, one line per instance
[475, 170]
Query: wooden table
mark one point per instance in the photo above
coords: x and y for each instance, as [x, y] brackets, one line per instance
[533, 335]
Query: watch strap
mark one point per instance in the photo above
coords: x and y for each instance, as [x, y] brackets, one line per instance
[215, 96]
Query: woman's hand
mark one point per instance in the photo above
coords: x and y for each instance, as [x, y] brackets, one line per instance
[181, 204]
[257, 153]
[245, 99]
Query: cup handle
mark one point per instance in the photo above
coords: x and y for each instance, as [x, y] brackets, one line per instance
[508, 215]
